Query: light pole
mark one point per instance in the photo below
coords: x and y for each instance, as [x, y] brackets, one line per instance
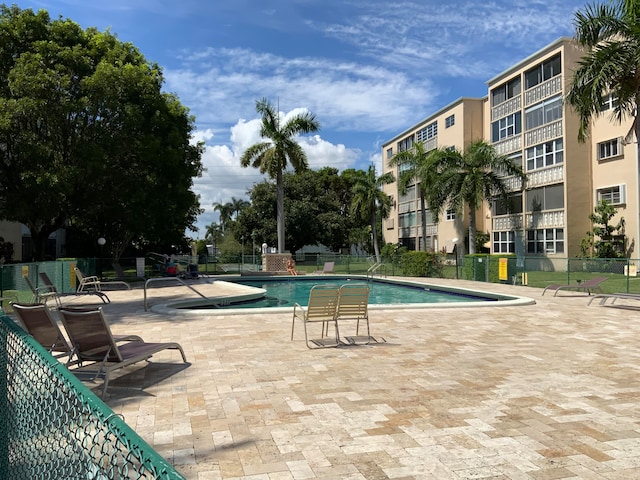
[242, 268]
[253, 249]
[101, 242]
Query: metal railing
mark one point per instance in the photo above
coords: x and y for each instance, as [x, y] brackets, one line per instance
[171, 279]
[52, 427]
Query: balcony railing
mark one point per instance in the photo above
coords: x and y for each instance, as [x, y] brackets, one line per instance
[544, 133]
[545, 176]
[551, 87]
[548, 219]
[506, 108]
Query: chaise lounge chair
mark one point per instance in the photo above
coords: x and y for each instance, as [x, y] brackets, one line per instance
[49, 284]
[588, 286]
[328, 268]
[321, 308]
[43, 293]
[92, 284]
[92, 341]
[36, 320]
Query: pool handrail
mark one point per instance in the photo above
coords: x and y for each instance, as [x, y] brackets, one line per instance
[178, 279]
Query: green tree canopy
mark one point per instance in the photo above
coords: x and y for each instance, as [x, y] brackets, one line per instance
[610, 34]
[606, 239]
[88, 137]
[370, 202]
[316, 210]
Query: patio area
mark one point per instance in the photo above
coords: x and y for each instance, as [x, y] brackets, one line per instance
[546, 391]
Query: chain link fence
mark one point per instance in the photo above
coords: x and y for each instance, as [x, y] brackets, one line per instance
[53, 428]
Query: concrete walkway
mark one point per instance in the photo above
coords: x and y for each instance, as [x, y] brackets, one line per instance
[546, 391]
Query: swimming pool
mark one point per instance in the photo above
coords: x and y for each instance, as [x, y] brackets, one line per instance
[285, 292]
[277, 294]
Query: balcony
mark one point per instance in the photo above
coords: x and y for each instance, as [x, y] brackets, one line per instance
[545, 176]
[508, 145]
[548, 219]
[506, 223]
[543, 134]
[551, 87]
[506, 108]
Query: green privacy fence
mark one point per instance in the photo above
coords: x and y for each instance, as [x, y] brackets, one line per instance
[53, 428]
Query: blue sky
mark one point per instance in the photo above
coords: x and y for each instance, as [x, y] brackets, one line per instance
[368, 69]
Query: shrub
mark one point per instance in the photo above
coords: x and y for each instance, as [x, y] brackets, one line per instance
[421, 264]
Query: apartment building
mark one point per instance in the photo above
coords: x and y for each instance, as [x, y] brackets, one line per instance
[525, 117]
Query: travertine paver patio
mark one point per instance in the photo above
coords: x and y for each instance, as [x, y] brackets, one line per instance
[546, 391]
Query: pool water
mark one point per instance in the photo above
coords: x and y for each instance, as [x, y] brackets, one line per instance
[286, 292]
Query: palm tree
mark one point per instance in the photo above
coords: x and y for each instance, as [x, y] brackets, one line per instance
[214, 234]
[418, 168]
[470, 179]
[273, 155]
[238, 204]
[369, 199]
[226, 210]
[610, 34]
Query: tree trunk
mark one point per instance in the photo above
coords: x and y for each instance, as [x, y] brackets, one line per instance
[39, 239]
[376, 250]
[423, 219]
[280, 211]
[472, 231]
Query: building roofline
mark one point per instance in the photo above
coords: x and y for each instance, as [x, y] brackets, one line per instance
[540, 53]
[431, 117]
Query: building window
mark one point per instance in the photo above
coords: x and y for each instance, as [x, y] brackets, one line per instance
[451, 214]
[545, 155]
[504, 242]
[545, 240]
[389, 153]
[505, 91]
[550, 197]
[609, 102]
[544, 112]
[427, 132]
[615, 195]
[511, 206]
[409, 195]
[450, 121]
[542, 72]
[405, 144]
[609, 149]
[506, 127]
[406, 220]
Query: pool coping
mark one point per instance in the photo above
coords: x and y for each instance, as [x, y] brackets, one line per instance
[504, 300]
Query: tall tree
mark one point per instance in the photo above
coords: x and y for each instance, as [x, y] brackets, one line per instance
[369, 200]
[87, 136]
[280, 149]
[226, 211]
[214, 234]
[316, 210]
[417, 166]
[470, 179]
[610, 34]
[238, 204]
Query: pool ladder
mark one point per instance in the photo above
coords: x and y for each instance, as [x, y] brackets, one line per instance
[371, 271]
